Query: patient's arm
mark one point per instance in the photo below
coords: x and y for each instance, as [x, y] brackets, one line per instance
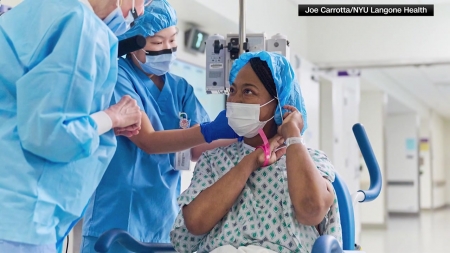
[311, 194]
[213, 203]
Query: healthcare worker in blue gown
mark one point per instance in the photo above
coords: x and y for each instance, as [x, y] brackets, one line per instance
[139, 189]
[58, 69]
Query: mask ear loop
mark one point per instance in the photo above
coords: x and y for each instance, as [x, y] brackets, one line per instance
[279, 108]
[135, 57]
[265, 147]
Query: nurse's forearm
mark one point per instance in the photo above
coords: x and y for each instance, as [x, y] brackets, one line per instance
[213, 203]
[310, 193]
[168, 141]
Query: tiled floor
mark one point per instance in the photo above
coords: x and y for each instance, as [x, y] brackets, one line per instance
[427, 233]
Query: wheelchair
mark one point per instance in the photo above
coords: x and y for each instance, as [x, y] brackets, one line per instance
[324, 244]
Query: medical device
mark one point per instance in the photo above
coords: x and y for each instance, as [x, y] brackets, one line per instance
[131, 44]
[222, 51]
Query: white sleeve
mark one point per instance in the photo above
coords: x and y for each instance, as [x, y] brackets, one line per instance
[103, 121]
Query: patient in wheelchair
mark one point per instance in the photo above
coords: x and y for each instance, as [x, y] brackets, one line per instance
[267, 193]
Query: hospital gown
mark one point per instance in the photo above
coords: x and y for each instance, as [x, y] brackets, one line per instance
[58, 65]
[262, 215]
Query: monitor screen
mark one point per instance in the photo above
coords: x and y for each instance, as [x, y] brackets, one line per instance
[195, 40]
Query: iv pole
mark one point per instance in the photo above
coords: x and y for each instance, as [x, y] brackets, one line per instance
[242, 35]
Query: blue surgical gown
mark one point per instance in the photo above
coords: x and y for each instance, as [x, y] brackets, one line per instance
[138, 191]
[58, 65]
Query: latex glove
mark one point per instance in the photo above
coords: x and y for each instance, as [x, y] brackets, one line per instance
[218, 129]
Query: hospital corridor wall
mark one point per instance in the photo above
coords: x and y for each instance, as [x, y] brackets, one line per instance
[339, 110]
[402, 132]
[372, 114]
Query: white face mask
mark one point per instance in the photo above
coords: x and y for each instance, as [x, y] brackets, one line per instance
[132, 16]
[244, 118]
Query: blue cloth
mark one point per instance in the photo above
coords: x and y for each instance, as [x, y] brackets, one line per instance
[286, 82]
[54, 74]
[7, 246]
[157, 16]
[138, 192]
[116, 22]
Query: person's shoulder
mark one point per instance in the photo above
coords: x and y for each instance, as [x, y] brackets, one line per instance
[57, 13]
[316, 153]
[90, 23]
[72, 10]
[233, 147]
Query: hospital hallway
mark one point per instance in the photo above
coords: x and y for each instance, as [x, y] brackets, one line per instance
[425, 233]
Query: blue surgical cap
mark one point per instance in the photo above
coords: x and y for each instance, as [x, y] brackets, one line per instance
[286, 83]
[157, 16]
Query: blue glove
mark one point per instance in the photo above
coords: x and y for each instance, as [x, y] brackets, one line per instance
[218, 129]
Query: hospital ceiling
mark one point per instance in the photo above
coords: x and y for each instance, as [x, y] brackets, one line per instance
[430, 85]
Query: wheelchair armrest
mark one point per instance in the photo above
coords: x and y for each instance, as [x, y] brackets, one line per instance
[107, 239]
[326, 244]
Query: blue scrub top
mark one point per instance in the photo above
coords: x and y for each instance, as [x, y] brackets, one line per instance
[138, 192]
[53, 74]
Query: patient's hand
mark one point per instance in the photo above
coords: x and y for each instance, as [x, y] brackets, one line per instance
[292, 123]
[275, 152]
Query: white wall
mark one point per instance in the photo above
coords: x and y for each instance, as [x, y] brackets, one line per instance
[311, 94]
[326, 138]
[447, 158]
[435, 189]
[426, 201]
[385, 83]
[402, 132]
[372, 116]
[438, 162]
[11, 3]
[339, 111]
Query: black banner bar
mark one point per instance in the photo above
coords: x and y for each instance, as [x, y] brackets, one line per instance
[390, 10]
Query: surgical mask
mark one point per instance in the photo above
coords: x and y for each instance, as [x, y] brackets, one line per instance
[130, 18]
[158, 62]
[116, 22]
[244, 118]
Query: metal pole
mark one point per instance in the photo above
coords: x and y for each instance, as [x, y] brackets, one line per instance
[242, 35]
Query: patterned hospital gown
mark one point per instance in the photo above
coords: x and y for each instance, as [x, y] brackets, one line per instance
[262, 215]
